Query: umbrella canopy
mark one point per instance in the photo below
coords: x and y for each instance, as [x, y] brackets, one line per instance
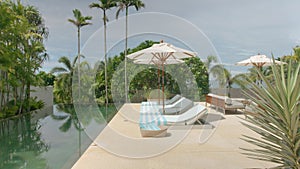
[161, 54]
[158, 62]
[258, 61]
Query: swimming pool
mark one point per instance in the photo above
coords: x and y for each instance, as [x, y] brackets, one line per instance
[48, 139]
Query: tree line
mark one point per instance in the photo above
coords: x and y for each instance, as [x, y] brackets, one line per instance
[140, 85]
[22, 50]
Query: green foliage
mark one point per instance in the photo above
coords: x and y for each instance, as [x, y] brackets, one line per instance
[125, 4]
[62, 89]
[69, 119]
[113, 65]
[108, 112]
[226, 79]
[46, 79]
[9, 110]
[34, 104]
[22, 52]
[80, 20]
[181, 78]
[22, 144]
[277, 119]
[12, 108]
[199, 70]
[104, 5]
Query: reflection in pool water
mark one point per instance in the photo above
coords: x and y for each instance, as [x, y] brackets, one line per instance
[49, 139]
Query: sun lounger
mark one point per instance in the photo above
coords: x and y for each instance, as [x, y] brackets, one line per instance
[153, 131]
[181, 105]
[224, 102]
[173, 99]
[152, 123]
[189, 117]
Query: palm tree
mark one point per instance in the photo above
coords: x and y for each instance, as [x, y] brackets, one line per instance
[69, 119]
[293, 58]
[104, 5]
[64, 80]
[209, 60]
[208, 63]
[225, 78]
[79, 22]
[125, 4]
[253, 75]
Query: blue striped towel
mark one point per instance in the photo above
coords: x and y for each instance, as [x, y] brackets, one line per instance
[150, 117]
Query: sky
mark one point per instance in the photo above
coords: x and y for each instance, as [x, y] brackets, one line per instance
[233, 30]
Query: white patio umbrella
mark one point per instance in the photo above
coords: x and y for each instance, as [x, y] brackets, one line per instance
[161, 54]
[259, 61]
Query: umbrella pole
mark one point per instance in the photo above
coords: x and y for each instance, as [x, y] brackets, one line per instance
[163, 88]
[158, 70]
[259, 83]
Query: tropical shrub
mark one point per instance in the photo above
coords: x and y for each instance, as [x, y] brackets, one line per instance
[277, 119]
[145, 78]
[22, 51]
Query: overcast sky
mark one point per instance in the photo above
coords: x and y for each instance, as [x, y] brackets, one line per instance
[236, 29]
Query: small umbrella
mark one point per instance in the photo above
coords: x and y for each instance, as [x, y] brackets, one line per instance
[161, 54]
[259, 61]
[158, 62]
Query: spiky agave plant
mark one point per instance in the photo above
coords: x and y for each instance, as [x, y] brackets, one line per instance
[277, 119]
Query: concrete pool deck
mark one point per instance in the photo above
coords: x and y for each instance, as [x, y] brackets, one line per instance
[213, 145]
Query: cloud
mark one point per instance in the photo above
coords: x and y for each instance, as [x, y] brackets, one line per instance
[236, 29]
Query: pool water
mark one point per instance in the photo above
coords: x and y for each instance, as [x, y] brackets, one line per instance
[49, 139]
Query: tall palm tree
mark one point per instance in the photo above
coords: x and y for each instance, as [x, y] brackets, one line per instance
[104, 5]
[125, 4]
[79, 22]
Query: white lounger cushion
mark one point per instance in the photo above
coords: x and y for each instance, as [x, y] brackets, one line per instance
[173, 99]
[188, 117]
[235, 105]
[181, 105]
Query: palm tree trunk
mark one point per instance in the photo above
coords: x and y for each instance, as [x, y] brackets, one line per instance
[21, 98]
[70, 89]
[3, 79]
[105, 67]
[27, 98]
[126, 41]
[79, 140]
[7, 88]
[78, 52]
[1, 99]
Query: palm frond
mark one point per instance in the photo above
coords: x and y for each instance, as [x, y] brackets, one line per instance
[65, 60]
[94, 5]
[58, 70]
